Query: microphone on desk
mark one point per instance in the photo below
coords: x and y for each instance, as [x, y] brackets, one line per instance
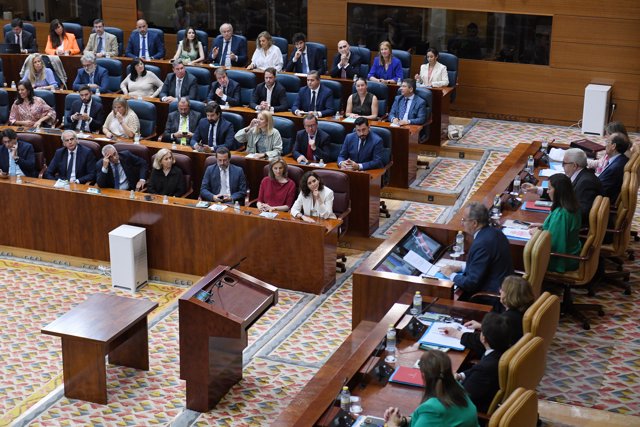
[324, 419]
[228, 280]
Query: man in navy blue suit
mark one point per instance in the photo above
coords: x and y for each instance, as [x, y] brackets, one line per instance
[346, 63]
[312, 144]
[305, 58]
[21, 37]
[314, 98]
[179, 84]
[613, 172]
[123, 171]
[228, 44]
[223, 182]
[91, 74]
[213, 131]
[144, 44]
[73, 162]
[362, 149]
[86, 115]
[489, 259]
[16, 157]
[408, 108]
[224, 90]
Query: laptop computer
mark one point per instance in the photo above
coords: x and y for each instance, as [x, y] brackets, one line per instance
[9, 48]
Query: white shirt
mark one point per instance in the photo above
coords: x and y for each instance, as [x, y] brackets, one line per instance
[269, 92]
[273, 58]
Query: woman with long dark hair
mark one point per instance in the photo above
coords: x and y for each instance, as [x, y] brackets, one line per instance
[141, 82]
[314, 200]
[30, 110]
[59, 41]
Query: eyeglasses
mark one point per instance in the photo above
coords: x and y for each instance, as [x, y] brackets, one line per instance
[568, 163]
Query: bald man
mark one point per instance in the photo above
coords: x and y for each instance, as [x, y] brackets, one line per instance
[346, 63]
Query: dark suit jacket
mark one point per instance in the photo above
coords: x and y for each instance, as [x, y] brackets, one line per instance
[370, 156]
[324, 101]
[224, 133]
[611, 178]
[134, 167]
[488, 263]
[471, 340]
[85, 165]
[170, 185]
[189, 86]
[238, 46]
[26, 161]
[323, 141]
[481, 381]
[155, 45]
[95, 112]
[28, 41]
[352, 68]
[279, 100]
[233, 93]
[417, 111]
[314, 56]
[211, 183]
[101, 78]
[173, 123]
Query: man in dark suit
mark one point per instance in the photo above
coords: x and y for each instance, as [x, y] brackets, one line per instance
[21, 37]
[91, 75]
[314, 98]
[489, 257]
[213, 131]
[362, 149]
[123, 171]
[86, 115]
[481, 381]
[223, 182]
[188, 85]
[144, 44]
[224, 90]
[270, 93]
[228, 44]
[408, 108]
[613, 172]
[304, 58]
[16, 157]
[312, 144]
[73, 162]
[346, 63]
[181, 123]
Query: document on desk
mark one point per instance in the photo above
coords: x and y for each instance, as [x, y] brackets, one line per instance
[349, 119]
[556, 154]
[434, 336]
[548, 172]
[517, 233]
[425, 267]
[368, 421]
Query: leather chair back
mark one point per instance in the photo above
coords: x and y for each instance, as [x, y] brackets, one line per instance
[519, 410]
[37, 141]
[150, 68]
[27, 26]
[137, 149]
[203, 80]
[147, 116]
[365, 56]
[283, 45]
[186, 166]
[114, 68]
[450, 61]
[76, 30]
[339, 183]
[291, 84]
[247, 81]
[336, 90]
[323, 51]
[527, 318]
[194, 104]
[337, 133]
[381, 92]
[293, 172]
[119, 37]
[201, 35]
[503, 371]
[405, 60]
[5, 107]
[73, 97]
[385, 134]
[1, 74]
[47, 96]
[626, 208]
[536, 259]
[93, 146]
[234, 118]
[544, 323]
[287, 130]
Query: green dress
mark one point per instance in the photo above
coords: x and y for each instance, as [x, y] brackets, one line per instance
[432, 413]
[190, 55]
[564, 227]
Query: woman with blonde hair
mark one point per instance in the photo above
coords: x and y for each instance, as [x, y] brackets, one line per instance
[386, 68]
[122, 121]
[266, 54]
[262, 139]
[166, 178]
[39, 75]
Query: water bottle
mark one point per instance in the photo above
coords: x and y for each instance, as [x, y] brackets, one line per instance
[18, 179]
[136, 138]
[174, 146]
[98, 91]
[321, 163]
[460, 242]
[497, 207]
[165, 200]
[247, 198]
[227, 61]
[391, 339]
[399, 82]
[516, 185]
[345, 399]
[545, 145]
[13, 85]
[355, 78]
[132, 195]
[236, 206]
[417, 304]
[530, 164]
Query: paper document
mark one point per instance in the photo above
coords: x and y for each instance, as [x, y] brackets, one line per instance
[268, 214]
[556, 154]
[510, 223]
[434, 336]
[517, 233]
[548, 172]
[218, 207]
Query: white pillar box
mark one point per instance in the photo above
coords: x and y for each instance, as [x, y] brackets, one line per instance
[128, 251]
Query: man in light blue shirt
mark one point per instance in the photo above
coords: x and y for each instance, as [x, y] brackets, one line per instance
[16, 157]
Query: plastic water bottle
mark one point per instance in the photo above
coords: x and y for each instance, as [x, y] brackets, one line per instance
[174, 146]
[321, 163]
[417, 304]
[497, 207]
[98, 90]
[460, 242]
[136, 138]
[132, 194]
[236, 207]
[391, 339]
[13, 85]
[345, 399]
[355, 78]
[227, 61]
[545, 145]
[18, 179]
[165, 200]
[530, 164]
[516, 185]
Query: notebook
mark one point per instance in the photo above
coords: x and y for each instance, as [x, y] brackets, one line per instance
[407, 376]
[434, 337]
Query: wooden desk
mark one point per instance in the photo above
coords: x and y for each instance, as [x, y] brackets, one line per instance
[354, 359]
[285, 252]
[102, 325]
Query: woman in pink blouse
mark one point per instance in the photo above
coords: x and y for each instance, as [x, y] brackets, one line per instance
[30, 110]
[277, 191]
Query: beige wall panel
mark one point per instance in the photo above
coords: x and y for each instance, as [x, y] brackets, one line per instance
[620, 59]
[595, 30]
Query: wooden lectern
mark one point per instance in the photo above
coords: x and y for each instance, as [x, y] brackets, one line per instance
[214, 317]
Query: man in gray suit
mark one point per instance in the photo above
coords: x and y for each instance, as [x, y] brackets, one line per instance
[181, 124]
[100, 42]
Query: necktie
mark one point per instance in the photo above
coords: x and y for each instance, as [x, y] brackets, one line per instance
[403, 108]
[91, 77]
[99, 48]
[116, 176]
[313, 100]
[143, 51]
[210, 134]
[70, 165]
[305, 67]
[223, 58]
[183, 128]
[178, 88]
[361, 144]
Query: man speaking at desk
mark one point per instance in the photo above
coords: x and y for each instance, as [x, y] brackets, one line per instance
[362, 149]
[122, 171]
[489, 259]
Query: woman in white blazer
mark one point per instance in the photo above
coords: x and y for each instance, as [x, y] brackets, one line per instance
[433, 73]
[314, 200]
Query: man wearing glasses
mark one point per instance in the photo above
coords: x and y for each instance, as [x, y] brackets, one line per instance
[91, 75]
[489, 260]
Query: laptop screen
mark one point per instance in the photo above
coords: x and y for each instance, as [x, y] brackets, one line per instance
[419, 243]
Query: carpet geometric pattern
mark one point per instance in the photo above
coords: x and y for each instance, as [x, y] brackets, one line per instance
[446, 174]
[494, 160]
[413, 211]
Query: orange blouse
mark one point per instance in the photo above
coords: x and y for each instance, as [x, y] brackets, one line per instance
[69, 43]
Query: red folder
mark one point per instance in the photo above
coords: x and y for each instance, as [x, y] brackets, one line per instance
[408, 376]
[531, 206]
